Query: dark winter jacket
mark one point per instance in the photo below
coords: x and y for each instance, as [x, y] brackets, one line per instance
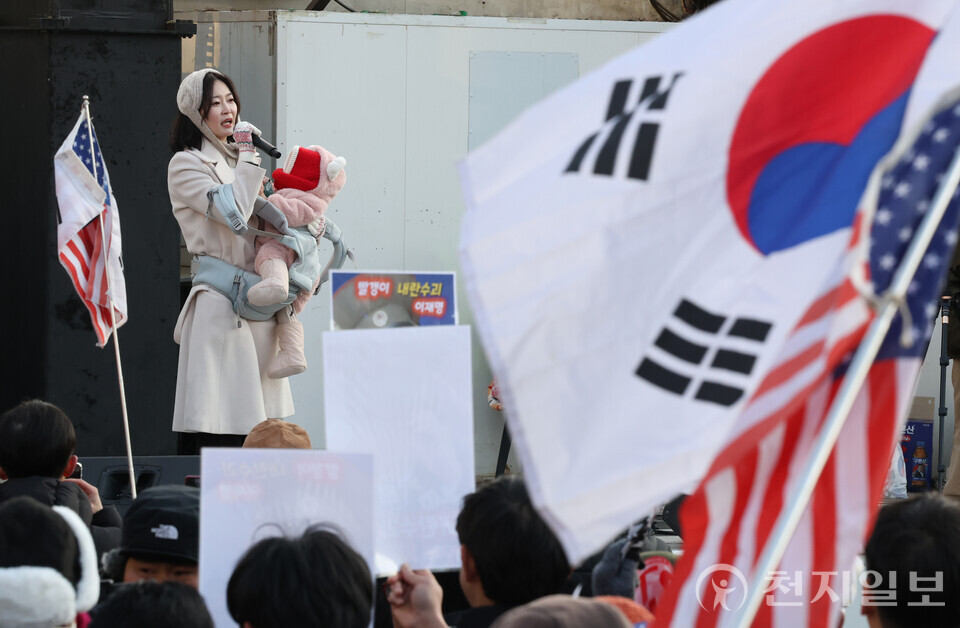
[104, 526]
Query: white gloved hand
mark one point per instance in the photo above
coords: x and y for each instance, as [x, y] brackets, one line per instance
[316, 227]
[243, 134]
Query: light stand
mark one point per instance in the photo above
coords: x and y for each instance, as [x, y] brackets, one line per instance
[945, 302]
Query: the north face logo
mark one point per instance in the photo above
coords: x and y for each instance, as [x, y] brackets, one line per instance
[166, 531]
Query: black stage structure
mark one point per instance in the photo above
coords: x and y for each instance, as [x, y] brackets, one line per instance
[124, 54]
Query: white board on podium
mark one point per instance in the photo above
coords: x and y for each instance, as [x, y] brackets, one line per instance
[404, 395]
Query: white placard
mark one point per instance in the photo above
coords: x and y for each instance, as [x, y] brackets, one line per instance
[250, 494]
[404, 396]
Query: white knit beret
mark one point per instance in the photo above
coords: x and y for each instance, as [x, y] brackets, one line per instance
[190, 94]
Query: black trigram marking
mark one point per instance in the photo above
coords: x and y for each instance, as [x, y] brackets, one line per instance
[687, 315]
[699, 318]
[750, 329]
[652, 98]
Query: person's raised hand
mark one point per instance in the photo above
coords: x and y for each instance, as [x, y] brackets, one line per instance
[415, 599]
[90, 491]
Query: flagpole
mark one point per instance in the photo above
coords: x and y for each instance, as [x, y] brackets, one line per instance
[113, 311]
[852, 383]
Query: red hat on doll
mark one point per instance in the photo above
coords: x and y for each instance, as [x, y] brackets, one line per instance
[301, 171]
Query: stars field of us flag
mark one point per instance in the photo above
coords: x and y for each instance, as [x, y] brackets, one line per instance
[83, 195]
[667, 257]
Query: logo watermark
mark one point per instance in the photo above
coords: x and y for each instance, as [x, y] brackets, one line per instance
[724, 586]
[728, 585]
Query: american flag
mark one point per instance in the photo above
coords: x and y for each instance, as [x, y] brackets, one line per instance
[729, 518]
[84, 194]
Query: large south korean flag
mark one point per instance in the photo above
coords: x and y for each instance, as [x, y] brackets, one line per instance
[637, 247]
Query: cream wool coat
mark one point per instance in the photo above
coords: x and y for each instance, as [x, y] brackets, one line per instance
[222, 383]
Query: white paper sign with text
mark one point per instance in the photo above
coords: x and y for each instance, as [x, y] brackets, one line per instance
[250, 494]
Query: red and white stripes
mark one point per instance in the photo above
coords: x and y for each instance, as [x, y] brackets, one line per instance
[730, 517]
[82, 258]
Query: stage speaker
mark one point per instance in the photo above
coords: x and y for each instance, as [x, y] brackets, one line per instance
[125, 55]
[111, 475]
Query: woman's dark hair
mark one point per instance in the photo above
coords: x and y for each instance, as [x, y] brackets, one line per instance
[36, 439]
[313, 580]
[184, 134]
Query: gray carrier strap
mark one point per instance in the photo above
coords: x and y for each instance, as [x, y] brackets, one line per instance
[233, 283]
[340, 253]
[304, 272]
[223, 200]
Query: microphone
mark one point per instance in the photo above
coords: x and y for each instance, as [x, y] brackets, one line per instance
[266, 146]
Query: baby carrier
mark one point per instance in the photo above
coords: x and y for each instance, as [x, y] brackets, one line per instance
[234, 282]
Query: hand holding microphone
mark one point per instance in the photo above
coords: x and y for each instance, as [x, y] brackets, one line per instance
[248, 136]
[243, 134]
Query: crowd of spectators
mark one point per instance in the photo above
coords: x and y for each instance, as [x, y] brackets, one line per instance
[67, 561]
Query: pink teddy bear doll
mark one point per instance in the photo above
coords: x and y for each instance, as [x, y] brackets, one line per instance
[309, 179]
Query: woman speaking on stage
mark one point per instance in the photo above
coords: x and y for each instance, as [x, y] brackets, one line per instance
[222, 387]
